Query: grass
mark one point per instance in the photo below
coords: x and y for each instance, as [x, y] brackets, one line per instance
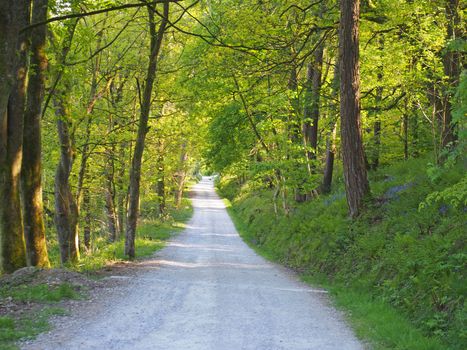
[40, 293]
[151, 236]
[398, 270]
[26, 327]
[35, 321]
[374, 321]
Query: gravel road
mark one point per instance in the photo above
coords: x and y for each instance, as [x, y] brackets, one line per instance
[206, 290]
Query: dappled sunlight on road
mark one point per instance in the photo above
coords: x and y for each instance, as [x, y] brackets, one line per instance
[194, 265]
[219, 234]
[208, 203]
[194, 227]
[206, 247]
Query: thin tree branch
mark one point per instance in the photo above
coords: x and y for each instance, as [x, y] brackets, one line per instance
[96, 12]
[249, 116]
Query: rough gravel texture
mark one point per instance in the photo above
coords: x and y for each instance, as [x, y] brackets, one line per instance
[206, 290]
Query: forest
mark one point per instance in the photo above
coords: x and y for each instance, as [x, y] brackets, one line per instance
[336, 131]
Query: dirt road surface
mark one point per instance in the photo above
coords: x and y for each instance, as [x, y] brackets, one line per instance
[206, 290]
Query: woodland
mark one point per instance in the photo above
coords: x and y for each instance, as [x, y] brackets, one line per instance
[336, 131]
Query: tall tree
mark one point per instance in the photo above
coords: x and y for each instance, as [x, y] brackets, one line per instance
[160, 182]
[452, 69]
[14, 15]
[331, 137]
[181, 175]
[31, 169]
[311, 110]
[66, 209]
[356, 182]
[135, 171]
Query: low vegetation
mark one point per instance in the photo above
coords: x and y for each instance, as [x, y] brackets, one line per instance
[404, 259]
[151, 234]
[12, 330]
[29, 297]
[26, 309]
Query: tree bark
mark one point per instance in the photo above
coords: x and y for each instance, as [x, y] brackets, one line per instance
[452, 69]
[181, 176]
[294, 119]
[110, 206]
[329, 163]
[121, 188]
[160, 185]
[93, 97]
[87, 219]
[31, 172]
[294, 130]
[311, 111]
[135, 171]
[66, 209]
[14, 15]
[331, 137]
[405, 136]
[355, 176]
[376, 146]
[115, 166]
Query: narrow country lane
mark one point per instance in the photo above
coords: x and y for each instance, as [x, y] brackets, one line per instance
[206, 290]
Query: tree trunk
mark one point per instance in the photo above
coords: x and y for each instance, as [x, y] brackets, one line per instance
[405, 130]
[31, 172]
[83, 163]
[331, 137]
[294, 122]
[376, 144]
[112, 221]
[115, 166]
[311, 112]
[135, 171]
[452, 68]
[93, 97]
[405, 122]
[121, 192]
[66, 210]
[329, 163]
[181, 176]
[87, 219]
[293, 130]
[160, 185]
[374, 155]
[356, 182]
[13, 70]
[414, 131]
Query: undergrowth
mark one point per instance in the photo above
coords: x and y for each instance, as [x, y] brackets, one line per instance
[40, 293]
[152, 232]
[406, 252]
[40, 300]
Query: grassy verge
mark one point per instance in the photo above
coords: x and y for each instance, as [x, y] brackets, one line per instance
[39, 303]
[38, 300]
[398, 271]
[375, 322]
[151, 235]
